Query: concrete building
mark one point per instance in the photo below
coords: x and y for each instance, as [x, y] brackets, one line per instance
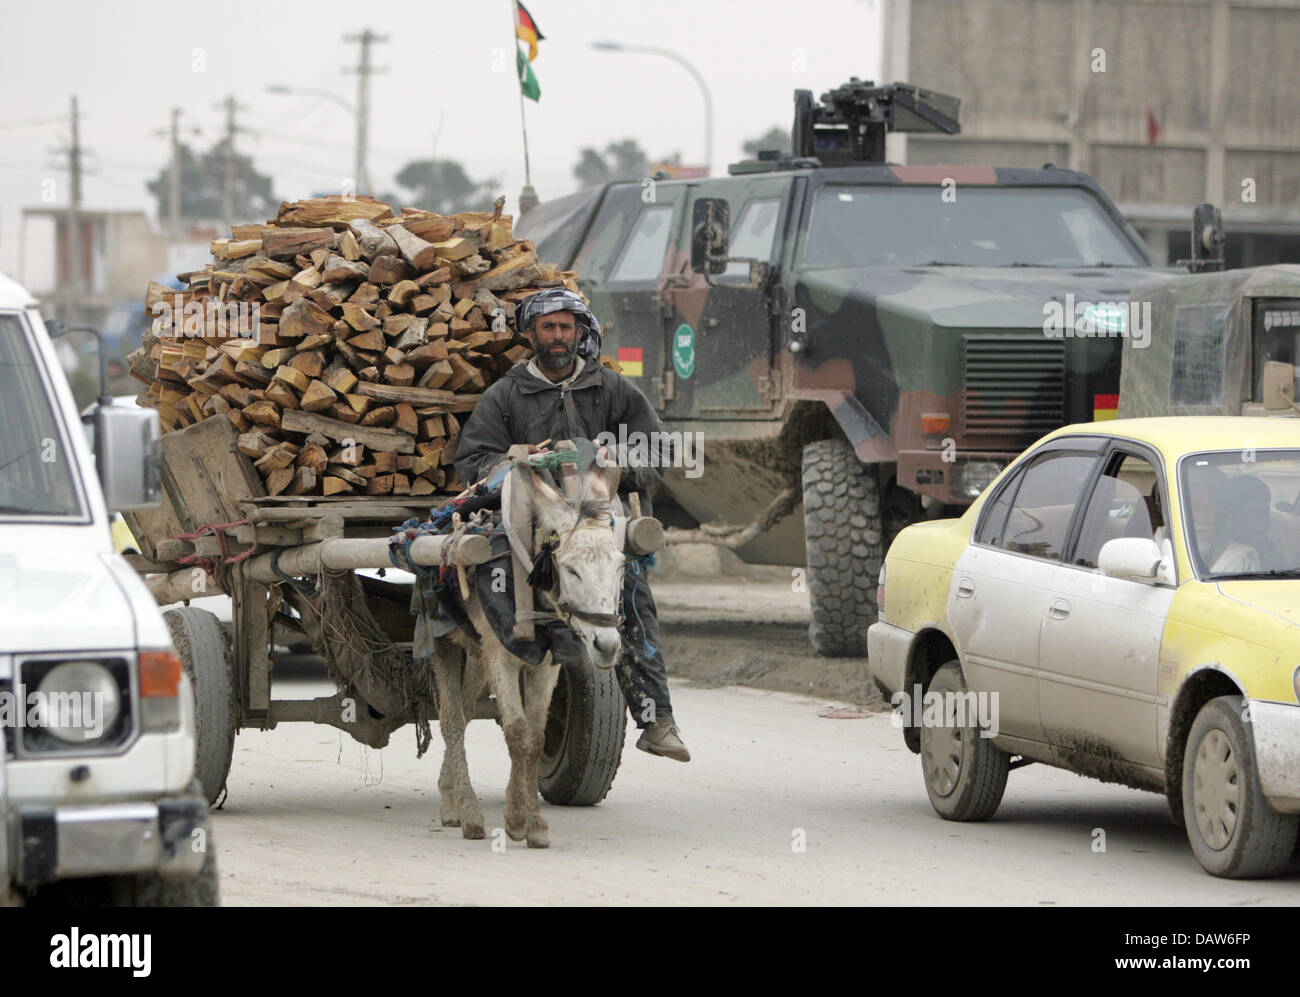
[1165, 102]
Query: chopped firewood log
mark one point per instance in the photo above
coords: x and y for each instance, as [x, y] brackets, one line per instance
[333, 485]
[263, 413]
[349, 247]
[286, 243]
[420, 254]
[340, 379]
[305, 318]
[311, 363]
[372, 240]
[278, 481]
[336, 211]
[390, 269]
[337, 269]
[312, 456]
[372, 340]
[283, 395]
[318, 397]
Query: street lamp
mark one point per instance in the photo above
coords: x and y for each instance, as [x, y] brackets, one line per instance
[363, 182]
[704, 87]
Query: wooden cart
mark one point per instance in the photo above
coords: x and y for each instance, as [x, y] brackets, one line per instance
[291, 562]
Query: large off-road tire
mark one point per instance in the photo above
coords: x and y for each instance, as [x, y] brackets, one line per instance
[965, 776]
[1233, 831]
[585, 730]
[844, 537]
[201, 642]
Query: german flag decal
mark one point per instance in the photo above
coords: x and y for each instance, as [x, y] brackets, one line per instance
[1105, 407]
[629, 358]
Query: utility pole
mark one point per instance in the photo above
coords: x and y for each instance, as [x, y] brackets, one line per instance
[364, 70]
[75, 269]
[173, 135]
[231, 107]
[72, 284]
[174, 178]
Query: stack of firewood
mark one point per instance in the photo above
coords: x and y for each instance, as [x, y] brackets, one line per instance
[373, 334]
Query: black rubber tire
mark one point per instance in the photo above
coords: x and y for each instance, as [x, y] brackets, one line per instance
[1261, 840]
[201, 643]
[843, 535]
[981, 779]
[585, 731]
[901, 509]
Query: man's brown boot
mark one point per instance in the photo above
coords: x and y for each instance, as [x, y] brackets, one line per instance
[663, 738]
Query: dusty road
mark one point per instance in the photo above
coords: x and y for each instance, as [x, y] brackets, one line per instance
[313, 819]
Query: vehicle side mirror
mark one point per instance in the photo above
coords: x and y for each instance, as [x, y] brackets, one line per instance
[128, 456]
[710, 235]
[1207, 239]
[1131, 558]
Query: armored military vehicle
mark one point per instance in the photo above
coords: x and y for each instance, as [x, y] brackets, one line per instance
[860, 345]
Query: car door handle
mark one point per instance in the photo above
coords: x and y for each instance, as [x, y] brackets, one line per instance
[1059, 609]
[965, 588]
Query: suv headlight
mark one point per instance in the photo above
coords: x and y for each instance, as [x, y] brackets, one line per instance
[79, 701]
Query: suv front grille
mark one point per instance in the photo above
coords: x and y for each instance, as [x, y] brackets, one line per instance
[1014, 385]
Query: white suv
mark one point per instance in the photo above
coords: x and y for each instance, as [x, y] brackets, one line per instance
[98, 801]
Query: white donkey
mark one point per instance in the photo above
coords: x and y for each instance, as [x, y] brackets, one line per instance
[587, 575]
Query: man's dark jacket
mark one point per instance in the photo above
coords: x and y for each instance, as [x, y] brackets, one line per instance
[523, 408]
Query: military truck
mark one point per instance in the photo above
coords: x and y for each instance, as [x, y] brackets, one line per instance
[1223, 344]
[860, 344]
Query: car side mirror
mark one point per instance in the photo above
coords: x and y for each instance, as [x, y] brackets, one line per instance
[710, 235]
[1131, 558]
[128, 456]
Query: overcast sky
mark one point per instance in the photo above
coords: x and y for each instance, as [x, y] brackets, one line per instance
[450, 73]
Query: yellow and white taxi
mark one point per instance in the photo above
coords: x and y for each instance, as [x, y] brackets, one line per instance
[1124, 602]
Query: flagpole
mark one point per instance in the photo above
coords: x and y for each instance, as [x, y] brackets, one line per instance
[523, 120]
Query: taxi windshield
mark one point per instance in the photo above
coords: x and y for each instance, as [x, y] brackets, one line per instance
[1242, 510]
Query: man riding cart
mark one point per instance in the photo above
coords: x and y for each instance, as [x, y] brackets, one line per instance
[564, 393]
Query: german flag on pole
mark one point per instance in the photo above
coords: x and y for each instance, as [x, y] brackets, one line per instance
[526, 30]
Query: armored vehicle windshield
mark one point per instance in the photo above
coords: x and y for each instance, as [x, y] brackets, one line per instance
[864, 226]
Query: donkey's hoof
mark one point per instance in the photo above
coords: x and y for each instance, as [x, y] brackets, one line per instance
[450, 820]
[538, 837]
[472, 830]
[516, 832]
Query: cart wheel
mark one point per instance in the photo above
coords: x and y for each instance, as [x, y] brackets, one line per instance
[585, 729]
[201, 644]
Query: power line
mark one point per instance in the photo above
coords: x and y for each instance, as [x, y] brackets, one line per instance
[32, 123]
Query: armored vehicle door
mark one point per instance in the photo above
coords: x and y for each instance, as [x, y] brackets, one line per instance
[721, 336]
[622, 261]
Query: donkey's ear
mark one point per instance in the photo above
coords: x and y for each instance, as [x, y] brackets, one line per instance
[541, 488]
[604, 478]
